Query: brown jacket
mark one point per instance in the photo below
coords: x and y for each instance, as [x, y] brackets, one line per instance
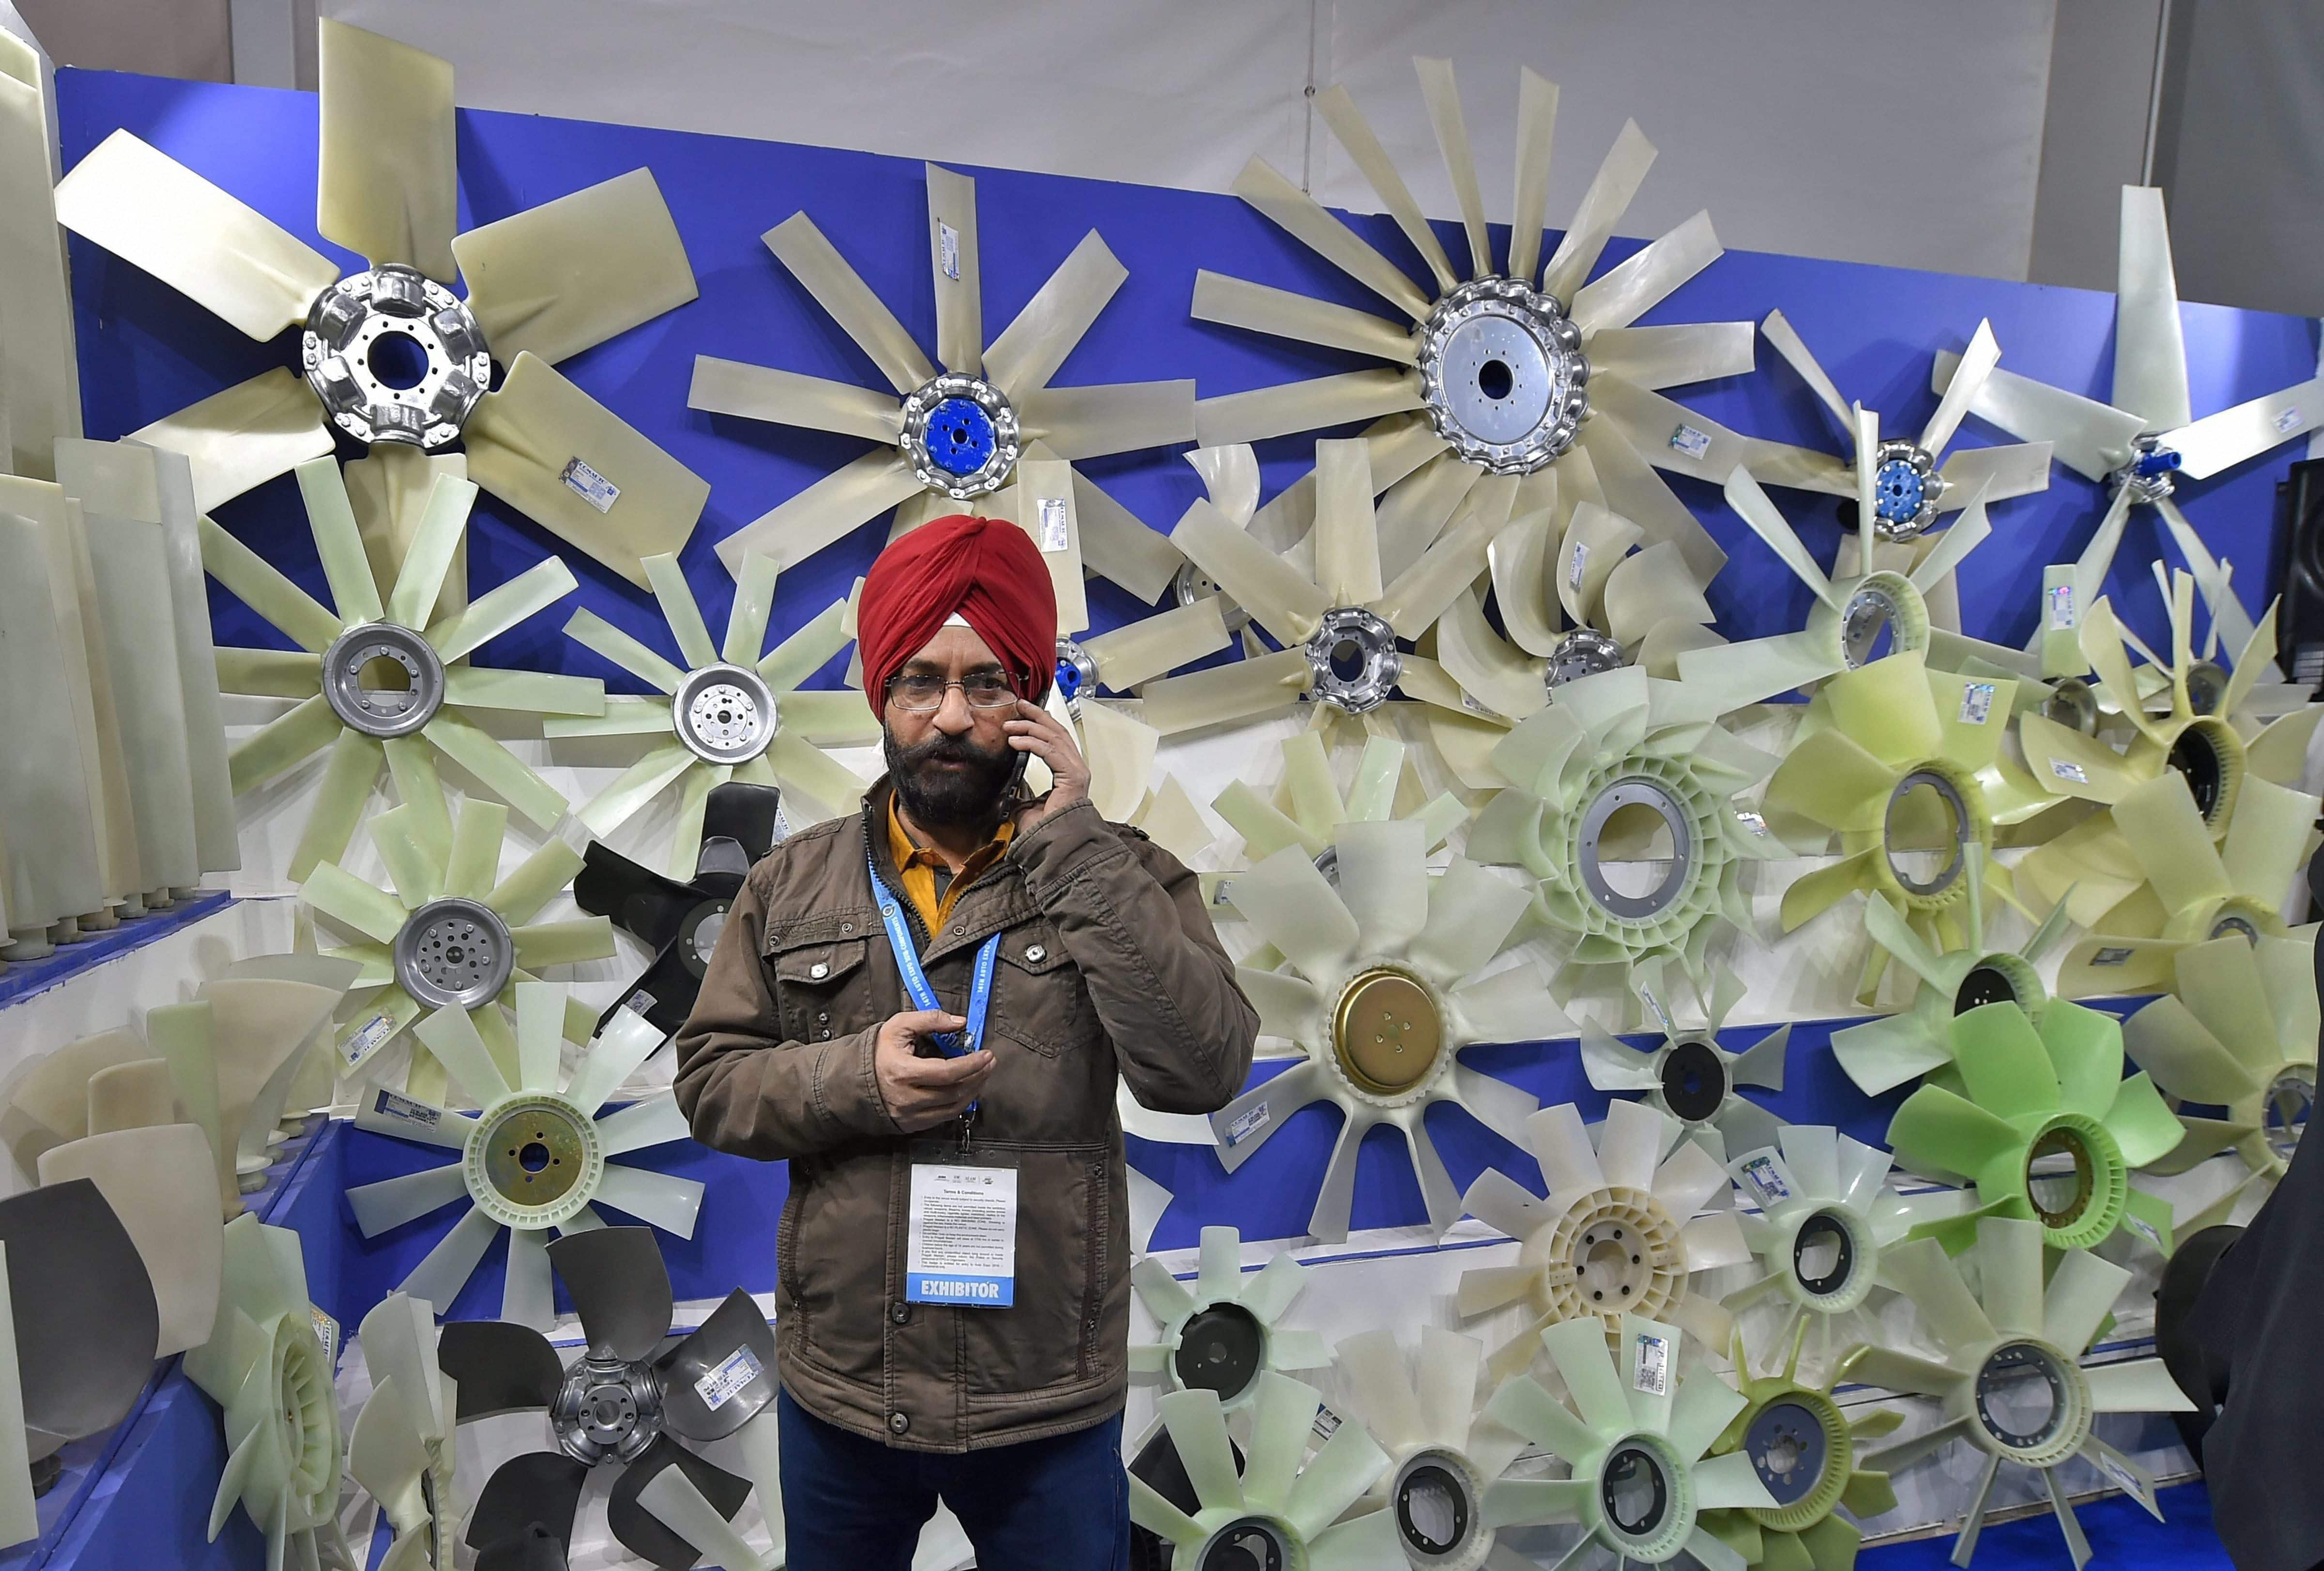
[1108, 968]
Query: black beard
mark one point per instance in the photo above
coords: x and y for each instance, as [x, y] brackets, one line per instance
[949, 798]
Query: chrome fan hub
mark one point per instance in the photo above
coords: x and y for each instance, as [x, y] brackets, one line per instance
[960, 436]
[1583, 652]
[2283, 1113]
[1353, 661]
[382, 680]
[395, 357]
[2148, 473]
[1076, 672]
[725, 714]
[1645, 1497]
[607, 1410]
[1193, 585]
[1799, 1445]
[1502, 374]
[533, 1161]
[2032, 1404]
[1636, 799]
[1833, 1259]
[2073, 703]
[1440, 1520]
[1883, 615]
[454, 953]
[1906, 486]
[1926, 830]
[1249, 1544]
[1388, 1037]
[2076, 1181]
[1694, 1082]
[1221, 1348]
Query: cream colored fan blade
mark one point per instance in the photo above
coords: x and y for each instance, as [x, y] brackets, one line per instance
[1041, 500]
[1414, 510]
[256, 1025]
[149, 209]
[2222, 441]
[1355, 135]
[158, 1181]
[1519, 556]
[1596, 542]
[243, 437]
[825, 511]
[1231, 692]
[137, 1094]
[2102, 645]
[1536, 129]
[1275, 593]
[1315, 404]
[1162, 643]
[388, 184]
[1963, 537]
[1263, 310]
[2150, 351]
[1229, 477]
[1794, 350]
[535, 589]
[1655, 357]
[554, 280]
[788, 398]
[2090, 438]
[671, 1499]
[1300, 215]
[1029, 350]
[216, 840]
[676, 600]
[40, 384]
[1867, 474]
[2012, 469]
[50, 868]
[392, 492]
[1977, 364]
[1753, 505]
[581, 472]
[1090, 423]
[1118, 547]
[1347, 546]
[1628, 292]
[1671, 435]
[1619, 177]
[2168, 835]
[1649, 590]
[1121, 754]
[1438, 91]
[2267, 839]
[952, 254]
[840, 291]
[1488, 669]
[1417, 597]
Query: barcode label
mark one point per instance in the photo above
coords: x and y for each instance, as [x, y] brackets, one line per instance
[1327, 1422]
[1246, 1122]
[1976, 703]
[1055, 532]
[948, 250]
[1765, 1180]
[2288, 421]
[1694, 443]
[640, 1002]
[327, 1332]
[727, 1378]
[367, 1040]
[1577, 563]
[590, 486]
[386, 1104]
[2110, 956]
[1650, 1364]
[2066, 771]
[2062, 608]
[1751, 821]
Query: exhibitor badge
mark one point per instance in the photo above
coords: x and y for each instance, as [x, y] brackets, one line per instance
[963, 1247]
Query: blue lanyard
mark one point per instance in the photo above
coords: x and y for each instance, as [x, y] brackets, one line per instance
[952, 1044]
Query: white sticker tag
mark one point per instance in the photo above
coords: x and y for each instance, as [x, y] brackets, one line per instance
[1577, 563]
[590, 486]
[1054, 533]
[961, 1248]
[2144, 1228]
[724, 1379]
[2064, 770]
[2110, 956]
[1660, 1014]
[1473, 707]
[2129, 1482]
[366, 1039]
[1246, 1123]
[1219, 895]
[327, 1332]
[1752, 821]
[2288, 421]
[1976, 703]
[1764, 1177]
[948, 250]
[1327, 1422]
[641, 1001]
[2062, 608]
[1694, 443]
[1650, 1364]
[387, 1103]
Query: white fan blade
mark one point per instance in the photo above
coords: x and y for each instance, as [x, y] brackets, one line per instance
[2150, 350]
[1443, 100]
[824, 513]
[1090, 423]
[1282, 599]
[446, 1268]
[1794, 350]
[1230, 692]
[1347, 547]
[1628, 292]
[840, 291]
[2222, 441]
[1373, 1365]
[787, 398]
[1617, 179]
[1977, 363]
[1141, 651]
[1289, 904]
[954, 256]
[2012, 469]
[554, 280]
[1671, 357]
[1536, 127]
[1300, 215]
[1754, 506]
[2141, 1386]
[671, 1499]
[243, 437]
[668, 1203]
[2090, 438]
[1364, 148]
[1315, 404]
[1029, 350]
[40, 382]
[1263, 310]
[387, 184]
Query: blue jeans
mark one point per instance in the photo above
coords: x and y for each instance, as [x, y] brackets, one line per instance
[853, 1505]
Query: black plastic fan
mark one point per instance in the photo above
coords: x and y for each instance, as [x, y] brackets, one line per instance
[681, 922]
[626, 1398]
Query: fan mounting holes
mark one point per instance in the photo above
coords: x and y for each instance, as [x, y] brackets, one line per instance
[1790, 1449]
[1385, 1034]
[2026, 1400]
[394, 356]
[1906, 486]
[1632, 898]
[1249, 1545]
[1221, 1349]
[2202, 755]
[534, 1156]
[1353, 661]
[534, 1161]
[382, 680]
[1693, 1080]
[1502, 374]
[698, 934]
[725, 714]
[2284, 1119]
[1823, 1255]
[1926, 832]
[1635, 1492]
[1193, 585]
[399, 360]
[1583, 652]
[1435, 1504]
[1612, 1266]
[454, 953]
[1986, 983]
[607, 1410]
[960, 436]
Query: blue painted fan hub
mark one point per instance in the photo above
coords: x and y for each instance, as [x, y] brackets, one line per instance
[960, 438]
[2161, 461]
[1898, 491]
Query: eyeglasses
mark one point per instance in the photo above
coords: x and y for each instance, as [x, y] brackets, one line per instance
[919, 692]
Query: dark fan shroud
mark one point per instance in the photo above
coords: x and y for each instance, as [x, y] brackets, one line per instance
[86, 1322]
[681, 922]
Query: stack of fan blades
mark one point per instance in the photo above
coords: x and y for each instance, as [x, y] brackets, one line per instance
[543, 285]
[400, 1448]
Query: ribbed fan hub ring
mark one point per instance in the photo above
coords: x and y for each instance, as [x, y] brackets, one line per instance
[1615, 1251]
[1906, 486]
[2081, 1206]
[1353, 661]
[1388, 1035]
[1502, 374]
[1252, 1543]
[454, 953]
[1645, 1498]
[1830, 1261]
[1883, 615]
[1959, 820]
[303, 1406]
[533, 1161]
[1669, 914]
[1800, 1446]
[726, 713]
[1439, 1505]
[960, 436]
[394, 356]
[2032, 1404]
[2208, 754]
[2002, 977]
[382, 680]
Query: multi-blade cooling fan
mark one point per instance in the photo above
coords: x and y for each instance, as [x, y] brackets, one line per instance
[268, 1367]
[2044, 1126]
[391, 355]
[1627, 1220]
[1277, 1512]
[400, 1449]
[1620, 801]
[2137, 442]
[376, 682]
[534, 1158]
[1515, 381]
[1803, 1450]
[1690, 1075]
[1381, 1000]
[2010, 1381]
[735, 715]
[626, 1400]
[2237, 1030]
[453, 935]
[1222, 1334]
[1882, 1054]
[1335, 614]
[1635, 1438]
[953, 429]
[681, 922]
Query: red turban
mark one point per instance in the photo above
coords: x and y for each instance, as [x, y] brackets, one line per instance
[988, 571]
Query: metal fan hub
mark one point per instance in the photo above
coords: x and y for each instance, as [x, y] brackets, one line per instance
[960, 436]
[726, 713]
[1193, 585]
[2076, 1181]
[2001, 978]
[2032, 1404]
[607, 1410]
[1644, 1498]
[1883, 615]
[454, 953]
[1221, 1348]
[1694, 1080]
[2147, 474]
[395, 357]
[2207, 686]
[1353, 661]
[1906, 486]
[382, 680]
[2073, 704]
[1583, 652]
[1440, 1520]
[534, 1161]
[1791, 1447]
[2209, 755]
[1834, 1260]
[1903, 840]
[1076, 672]
[1648, 796]
[2284, 1114]
[1502, 374]
[1387, 1035]
[1248, 1544]
[698, 934]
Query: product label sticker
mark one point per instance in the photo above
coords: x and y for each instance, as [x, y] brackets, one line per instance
[726, 1380]
[2062, 608]
[1976, 702]
[2064, 770]
[641, 1001]
[1764, 1177]
[1327, 1422]
[948, 251]
[2110, 956]
[1661, 1014]
[1473, 707]
[1694, 443]
[1577, 562]
[2288, 421]
[1650, 1364]
[1246, 1123]
[961, 1248]
[2124, 1478]
[1219, 895]
[589, 486]
[386, 1104]
[366, 1039]
[1055, 532]
[327, 1332]
[2144, 1228]
[1751, 821]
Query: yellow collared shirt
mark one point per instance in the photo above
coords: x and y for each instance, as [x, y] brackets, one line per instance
[927, 879]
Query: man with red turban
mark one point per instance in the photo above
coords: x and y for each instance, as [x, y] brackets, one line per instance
[926, 1008]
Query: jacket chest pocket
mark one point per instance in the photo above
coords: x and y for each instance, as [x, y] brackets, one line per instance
[1038, 996]
[822, 988]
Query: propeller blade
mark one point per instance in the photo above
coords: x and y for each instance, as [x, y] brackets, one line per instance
[1363, 149]
[387, 189]
[675, 1503]
[1673, 356]
[2082, 1295]
[1443, 99]
[787, 398]
[2167, 832]
[1976, 364]
[2186, 1058]
[840, 291]
[2233, 436]
[1795, 350]
[1628, 292]
[2150, 352]
[953, 254]
[670, 1204]
[1092, 421]
[1753, 506]
[1938, 1132]
[1261, 309]
[2090, 438]
[534, 1489]
[557, 279]
[497, 1367]
[1140, 651]
[1922, 1271]
[723, 1374]
[1228, 693]
[446, 1268]
[1296, 213]
[2003, 1061]
[1537, 126]
[1029, 350]
[1316, 404]
[619, 1289]
[392, 1202]
[1617, 179]
[242, 437]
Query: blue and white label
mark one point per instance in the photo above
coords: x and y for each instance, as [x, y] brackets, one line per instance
[589, 486]
[1246, 1123]
[1056, 530]
[726, 1379]
[1764, 1175]
[1650, 1363]
[387, 1103]
[2062, 608]
[948, 250]
[1976, 703]
[2288, 421]
[366, 1040]
[963, 1245]
[1694, 443]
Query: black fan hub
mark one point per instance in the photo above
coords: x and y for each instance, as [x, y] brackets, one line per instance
[1221, 1349]
[1695, 1081]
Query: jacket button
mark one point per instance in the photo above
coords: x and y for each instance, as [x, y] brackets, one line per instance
[818, 971]
[822, 1017]
[897, 1423]
[899, 1311]
[847, 926]
[1034, 954]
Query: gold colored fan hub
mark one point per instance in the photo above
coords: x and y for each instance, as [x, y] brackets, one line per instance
[1387, 1035]
[2075, 1181]
[534, 1161]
